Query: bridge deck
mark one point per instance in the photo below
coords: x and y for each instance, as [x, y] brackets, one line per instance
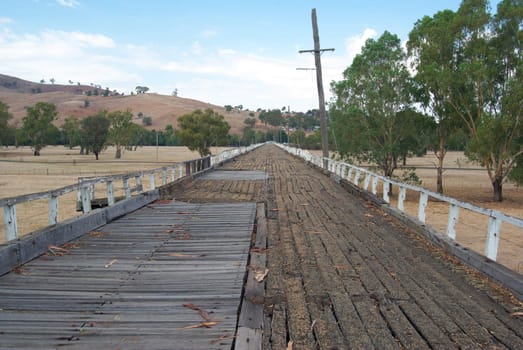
[344, 275]
[168, 276]
[341, 275]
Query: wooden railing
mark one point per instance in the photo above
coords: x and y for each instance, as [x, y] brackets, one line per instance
[364, 179]
[86, 187]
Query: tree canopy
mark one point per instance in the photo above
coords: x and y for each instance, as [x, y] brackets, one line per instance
[201, 129]
[120, 130]
[5, 130]
[367, 117]
[38, 125]
[94, 132]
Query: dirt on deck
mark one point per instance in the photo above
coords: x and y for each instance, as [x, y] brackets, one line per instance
[343, 274]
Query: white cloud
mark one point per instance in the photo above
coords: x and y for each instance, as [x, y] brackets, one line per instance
[209, 33]
[196, 48]
[68, 3]
[354, 44]
[5, 20]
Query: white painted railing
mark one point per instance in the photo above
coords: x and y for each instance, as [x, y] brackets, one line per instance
[86, 187]
[364, 178]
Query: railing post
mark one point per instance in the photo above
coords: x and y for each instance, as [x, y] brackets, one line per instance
[86, 198]
[386, 191]
[52, 210]
[357, 177]
[187, 168]
[164, 176]
[492, 244]
[453, 220]
[11, 227]
[152, 184]
[139, 186]
[349, 175]
[374, 185]
[127, 188]
[173, 174]
[423, 200]
[180, 170]
[401, 198]
[366, 181]
[110, 192]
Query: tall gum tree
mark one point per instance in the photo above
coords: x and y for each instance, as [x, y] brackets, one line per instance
[431, 50]
[487, 86]
[366, 114]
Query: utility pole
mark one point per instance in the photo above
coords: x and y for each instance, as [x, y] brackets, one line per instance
[321, 98]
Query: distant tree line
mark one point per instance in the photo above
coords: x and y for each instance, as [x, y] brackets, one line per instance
[198, 131]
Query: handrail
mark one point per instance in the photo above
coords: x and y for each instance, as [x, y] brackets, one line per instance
[364, 178]
[86, 187]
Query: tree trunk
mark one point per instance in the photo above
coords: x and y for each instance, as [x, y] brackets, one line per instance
[440, 155]
[36, 152]
[96, 155]
[118, 154]
[497, 185]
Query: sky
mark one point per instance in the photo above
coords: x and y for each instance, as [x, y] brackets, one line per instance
[220, 52]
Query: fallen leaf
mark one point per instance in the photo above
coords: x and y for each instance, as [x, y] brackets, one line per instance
[258, 250]
[259, 276]
[275, 209]
[289, 345]
[183, 212]
[517, 314]
[181, 255]
[369, 215]
[96, 234]
[111, 263]
[168, 231]
[58, 251]
[202, 325]
[204, 314]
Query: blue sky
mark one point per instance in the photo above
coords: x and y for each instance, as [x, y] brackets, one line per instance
[221, 52]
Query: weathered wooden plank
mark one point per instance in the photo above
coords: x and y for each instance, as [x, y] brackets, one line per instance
[128, 281]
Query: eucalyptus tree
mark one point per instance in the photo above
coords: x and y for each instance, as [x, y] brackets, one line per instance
[487, 90]
[431, 49]
[366, 114]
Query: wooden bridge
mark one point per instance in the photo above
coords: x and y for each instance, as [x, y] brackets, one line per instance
[265, 252]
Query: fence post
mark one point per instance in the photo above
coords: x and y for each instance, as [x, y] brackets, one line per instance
[423, 200]
[492, 244]
[374, 185]
[386, 191]
[53, 210]
[357, 177]
[173, 174]
[11, 228]
[366, 181]
[453, 220]
[401, 198]
[152, 184]
[164, 176]
[127, 188]
[86, 198]
[187, 168]
[110, 192]
[139, 186]
[349, 175]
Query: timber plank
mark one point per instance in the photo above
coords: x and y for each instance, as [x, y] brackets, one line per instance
[126, 284]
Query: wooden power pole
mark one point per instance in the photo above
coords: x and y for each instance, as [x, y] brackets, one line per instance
[319, 80]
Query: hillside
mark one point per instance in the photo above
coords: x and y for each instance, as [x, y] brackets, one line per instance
[71, 101]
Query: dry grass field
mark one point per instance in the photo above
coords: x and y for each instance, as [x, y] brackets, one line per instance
[21, 173]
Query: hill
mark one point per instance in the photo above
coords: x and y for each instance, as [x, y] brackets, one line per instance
[72, 100]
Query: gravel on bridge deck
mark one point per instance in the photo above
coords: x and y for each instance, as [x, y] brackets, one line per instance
[344, 275]
[168, 276]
